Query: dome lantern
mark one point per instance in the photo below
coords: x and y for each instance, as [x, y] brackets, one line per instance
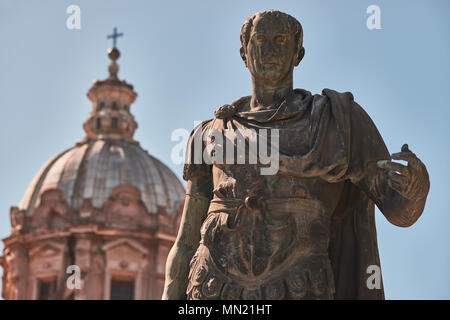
[111, 98]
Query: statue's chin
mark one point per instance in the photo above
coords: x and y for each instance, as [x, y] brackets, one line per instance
[271, 77]
[270, 74]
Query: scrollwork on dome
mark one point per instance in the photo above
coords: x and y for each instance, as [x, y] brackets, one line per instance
[53, 212]
[125, 209]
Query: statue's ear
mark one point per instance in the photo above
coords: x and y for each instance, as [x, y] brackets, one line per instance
[300, 55]
[242, 53]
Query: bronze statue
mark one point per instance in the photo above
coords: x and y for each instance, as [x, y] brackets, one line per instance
[307, 231]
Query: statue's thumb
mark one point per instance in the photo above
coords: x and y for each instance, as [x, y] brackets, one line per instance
[405, 148]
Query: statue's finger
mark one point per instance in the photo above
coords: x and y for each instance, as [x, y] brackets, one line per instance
[406, 156]
[395, 185]
[397, 178]
[394, 166]
[405, 148]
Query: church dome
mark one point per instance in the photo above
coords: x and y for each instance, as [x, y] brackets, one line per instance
[104, 206]
[92, 169]
[107, 157]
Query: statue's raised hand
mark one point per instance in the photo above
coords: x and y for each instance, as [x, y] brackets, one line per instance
[411, 181]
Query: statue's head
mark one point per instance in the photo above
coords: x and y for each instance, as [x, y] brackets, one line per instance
[272, 44]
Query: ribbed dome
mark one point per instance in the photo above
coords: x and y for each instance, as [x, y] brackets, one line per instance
[92, 169]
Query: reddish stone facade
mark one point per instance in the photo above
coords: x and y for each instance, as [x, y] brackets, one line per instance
[105, 208]
[100, 242]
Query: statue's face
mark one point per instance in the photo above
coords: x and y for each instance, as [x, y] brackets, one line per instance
[271, 52]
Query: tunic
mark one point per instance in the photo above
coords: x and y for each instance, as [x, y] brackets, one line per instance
[305, 231]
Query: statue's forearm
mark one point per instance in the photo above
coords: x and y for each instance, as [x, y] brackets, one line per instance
[177, 270]
[177, 266]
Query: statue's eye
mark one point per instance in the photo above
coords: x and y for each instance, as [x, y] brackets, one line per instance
[259, 38]
[281, 39]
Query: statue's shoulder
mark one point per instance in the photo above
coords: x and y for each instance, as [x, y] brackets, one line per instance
[348, 110]
[333, 94]
[342, 101]
[200, 128]
[228, 110]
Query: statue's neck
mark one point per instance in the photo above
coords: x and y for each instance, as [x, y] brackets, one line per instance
[268, 95]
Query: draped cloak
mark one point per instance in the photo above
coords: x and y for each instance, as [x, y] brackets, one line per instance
[342, 144]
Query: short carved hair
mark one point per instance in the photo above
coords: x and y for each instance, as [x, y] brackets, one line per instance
[293, 26]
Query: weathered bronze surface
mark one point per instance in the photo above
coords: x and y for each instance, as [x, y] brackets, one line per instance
[307, 231]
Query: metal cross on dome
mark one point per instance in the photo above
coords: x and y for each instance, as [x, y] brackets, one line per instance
[114, 36]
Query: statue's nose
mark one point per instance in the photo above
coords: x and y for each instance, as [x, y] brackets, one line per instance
[268, 48]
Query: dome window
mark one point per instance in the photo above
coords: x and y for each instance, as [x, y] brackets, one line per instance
[99, 123]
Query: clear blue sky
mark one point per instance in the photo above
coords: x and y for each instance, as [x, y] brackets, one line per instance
[183, 59]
